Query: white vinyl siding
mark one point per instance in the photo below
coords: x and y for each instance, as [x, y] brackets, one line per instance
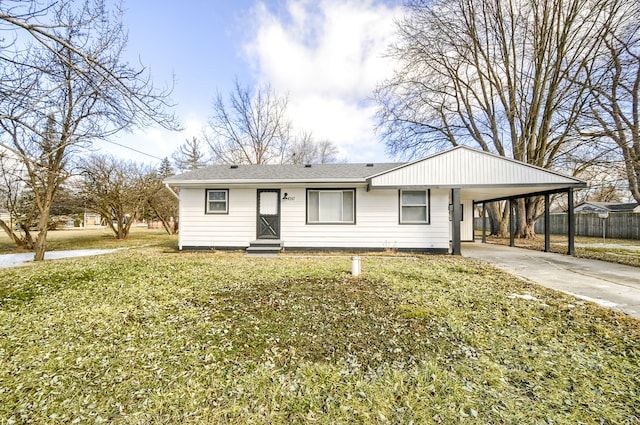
[414, 207]
[217, 201]
[330, 206]
[377, 222]
[235, 229]
[466, 224]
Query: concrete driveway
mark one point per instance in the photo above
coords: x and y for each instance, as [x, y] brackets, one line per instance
[608, 284]
[21, 259]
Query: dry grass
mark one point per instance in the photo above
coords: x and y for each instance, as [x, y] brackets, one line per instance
[93, 238]
[154, 336]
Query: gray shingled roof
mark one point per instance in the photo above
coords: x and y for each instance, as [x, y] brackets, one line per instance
[301, 173]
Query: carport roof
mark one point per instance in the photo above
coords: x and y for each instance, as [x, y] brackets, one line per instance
[480, 176]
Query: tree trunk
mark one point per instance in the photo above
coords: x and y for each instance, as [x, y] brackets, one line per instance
[110, 225]
[521, 218]
[493, 212]
[534, 210]
[503, 231]
[165, 223]
[120, 234]
[632, 167]
[494, 218]
[498, 219]
[28, 240]
[127, 226]
[21, 243]
[41, 240]
[529, 231]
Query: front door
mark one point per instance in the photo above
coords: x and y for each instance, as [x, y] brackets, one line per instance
[268, 214]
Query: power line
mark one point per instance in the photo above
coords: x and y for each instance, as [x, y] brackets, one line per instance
[132, 149]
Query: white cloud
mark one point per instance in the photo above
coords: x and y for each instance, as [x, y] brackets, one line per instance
[328, 57]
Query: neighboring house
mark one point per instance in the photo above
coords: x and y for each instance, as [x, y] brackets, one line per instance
[92, 219]
[610, 207]
[425, 205]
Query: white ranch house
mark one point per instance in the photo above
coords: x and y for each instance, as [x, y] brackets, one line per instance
[424, 205]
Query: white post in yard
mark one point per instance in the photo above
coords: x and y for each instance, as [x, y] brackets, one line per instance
[355, 266]
[604, 216]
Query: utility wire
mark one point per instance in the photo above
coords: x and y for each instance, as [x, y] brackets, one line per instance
[135, 150]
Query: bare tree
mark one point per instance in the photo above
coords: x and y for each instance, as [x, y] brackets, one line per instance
[504, 75]
[615, 107]
[252, 128]
[306, 150]
[190, 155]
[12, 191]
[116, 189]
[64, 85]
[161, 204]
[19, 200]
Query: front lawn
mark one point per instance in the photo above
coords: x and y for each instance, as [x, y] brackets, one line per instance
[149, 335]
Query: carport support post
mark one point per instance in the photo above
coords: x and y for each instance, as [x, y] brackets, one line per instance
[571, 223]
[547, 224]
[455, 223]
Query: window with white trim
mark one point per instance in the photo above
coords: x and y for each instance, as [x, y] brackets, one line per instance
[217, 201]
[331, 206]
[414, 206]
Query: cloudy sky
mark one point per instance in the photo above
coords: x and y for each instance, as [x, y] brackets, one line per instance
[326, 55]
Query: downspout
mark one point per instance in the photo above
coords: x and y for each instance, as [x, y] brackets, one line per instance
[172, 192]
[178, 198]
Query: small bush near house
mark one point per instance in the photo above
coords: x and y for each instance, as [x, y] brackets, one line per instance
[149, 335]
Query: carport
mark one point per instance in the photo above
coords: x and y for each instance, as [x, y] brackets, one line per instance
[477, 177]
[480, 177]
[547, 201]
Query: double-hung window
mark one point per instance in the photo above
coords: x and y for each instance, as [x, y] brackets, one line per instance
[331, 206]
[414, 206]
[217, 201]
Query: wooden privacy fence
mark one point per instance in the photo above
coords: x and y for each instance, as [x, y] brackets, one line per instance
[617, 225]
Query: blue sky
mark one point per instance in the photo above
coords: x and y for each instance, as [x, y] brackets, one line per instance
[326, 55]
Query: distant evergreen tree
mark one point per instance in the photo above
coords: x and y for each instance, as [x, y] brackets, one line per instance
[165, 169]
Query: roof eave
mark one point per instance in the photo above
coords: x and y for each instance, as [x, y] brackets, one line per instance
[245, 182]
[579, 184]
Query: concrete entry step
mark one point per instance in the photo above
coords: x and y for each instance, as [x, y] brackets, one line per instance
[264, 247]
